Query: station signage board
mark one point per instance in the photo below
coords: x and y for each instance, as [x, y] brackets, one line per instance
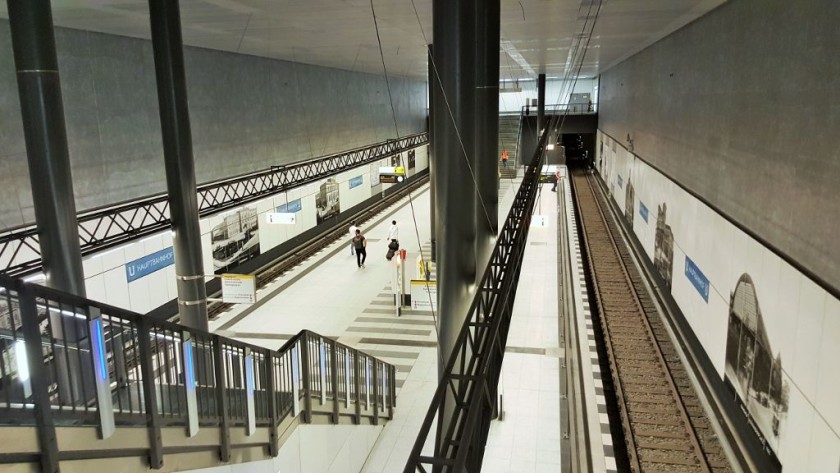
[423, 295]
[239, 288]
[280, 218]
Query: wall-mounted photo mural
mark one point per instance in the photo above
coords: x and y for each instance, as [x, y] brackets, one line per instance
[630, 195]
[663, 249]
[235, 238]
[327, 201]
[753, 371]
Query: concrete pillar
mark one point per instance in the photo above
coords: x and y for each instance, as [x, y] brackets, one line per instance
[42, 110]
[178, 158]
[454, 127]
[487, 18]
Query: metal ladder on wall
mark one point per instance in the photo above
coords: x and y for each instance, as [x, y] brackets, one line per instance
[84, 381]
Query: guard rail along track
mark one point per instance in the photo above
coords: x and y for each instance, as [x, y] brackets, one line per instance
[275, 269]
[469, 383]
[665, 426]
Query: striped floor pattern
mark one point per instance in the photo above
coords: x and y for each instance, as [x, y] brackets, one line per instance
[398, 340]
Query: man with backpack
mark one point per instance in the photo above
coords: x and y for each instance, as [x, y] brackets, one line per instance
[360, 243]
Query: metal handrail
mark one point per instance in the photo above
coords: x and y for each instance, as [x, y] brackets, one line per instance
[159, 374]
[469, 382]
[112, 225]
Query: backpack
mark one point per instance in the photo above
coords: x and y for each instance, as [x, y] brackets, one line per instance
[359, 242]
[390, 254]
[394, 245]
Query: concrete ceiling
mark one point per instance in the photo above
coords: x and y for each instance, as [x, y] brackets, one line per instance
[537, 35]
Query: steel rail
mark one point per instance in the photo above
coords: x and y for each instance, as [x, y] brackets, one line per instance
[271, 271]
[653, 340]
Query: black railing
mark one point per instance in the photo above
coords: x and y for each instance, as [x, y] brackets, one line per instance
[102, 228]
[557, 109]
[469, 383]
[57, 351]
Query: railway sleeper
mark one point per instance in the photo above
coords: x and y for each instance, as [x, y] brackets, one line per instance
[668, 458]
[645, 408]
[655, 421]
[655, 443]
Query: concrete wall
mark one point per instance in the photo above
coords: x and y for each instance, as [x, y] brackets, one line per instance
[740, 107]
[748, 308]
[247, 113]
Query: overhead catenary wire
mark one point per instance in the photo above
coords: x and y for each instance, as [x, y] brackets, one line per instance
[410, 199]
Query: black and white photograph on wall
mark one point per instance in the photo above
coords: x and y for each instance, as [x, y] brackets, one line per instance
[374, 174]
[236, 238]
[663, 248]
[411, 159]
[629, 203]
[395, 160]
[327, 201]
[753, 371]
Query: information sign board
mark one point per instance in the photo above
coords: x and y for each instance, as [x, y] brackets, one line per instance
[239, 288]
[423, 295]
[278, 218]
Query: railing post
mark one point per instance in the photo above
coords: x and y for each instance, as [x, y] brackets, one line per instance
[250, 387]
[188, 352]
[347, 368]
[392, 391]
[306, 375]
[334, 378]
[322, 372]
[37, 378]
[221, 399]
[99, 361]
[357, 375]
[272, 404]
[149, 394]
[375, 394]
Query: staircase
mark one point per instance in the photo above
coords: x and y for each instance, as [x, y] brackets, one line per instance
[87, 387]
[509, 141]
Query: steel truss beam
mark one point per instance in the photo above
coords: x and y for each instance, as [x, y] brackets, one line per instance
[20, 252]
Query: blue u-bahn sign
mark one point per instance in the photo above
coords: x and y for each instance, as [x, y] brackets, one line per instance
[697, 278]
[149, 264]
[357, 181]
[293, 206]
[643, 211]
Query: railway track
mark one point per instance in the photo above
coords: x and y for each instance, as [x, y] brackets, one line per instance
[268, 273]
[665, 426]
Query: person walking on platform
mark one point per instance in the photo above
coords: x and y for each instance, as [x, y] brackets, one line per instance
[359, 243]
[352, 230]
[394, 233]
[556, 180]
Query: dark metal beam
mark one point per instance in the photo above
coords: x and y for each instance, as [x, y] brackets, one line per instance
[433, 105]
[540, 103]
[168, 48]
[42, 110]
[455, 124]
[487, 18]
